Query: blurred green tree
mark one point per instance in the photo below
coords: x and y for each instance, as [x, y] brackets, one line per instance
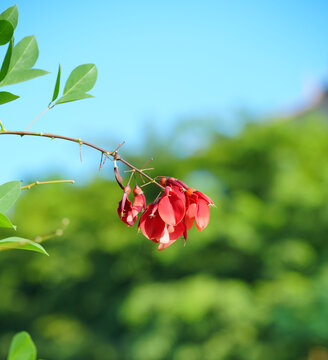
[254, 285]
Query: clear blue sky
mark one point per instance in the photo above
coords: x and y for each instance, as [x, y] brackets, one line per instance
[157, 62]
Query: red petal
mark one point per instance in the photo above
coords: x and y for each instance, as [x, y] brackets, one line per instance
[151, 225]
[164, 246]
[204, 197]
[138, 204]
[190, 215]
[202, 215]
[171, 208]
[177, 231]
[165, 238]
[125, 213]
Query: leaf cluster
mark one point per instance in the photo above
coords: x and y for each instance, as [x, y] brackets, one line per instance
[19, 60]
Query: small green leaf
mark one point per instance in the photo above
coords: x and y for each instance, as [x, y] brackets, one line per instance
[6, 97]
[6, 61]
[22, 347]
[5, 222]
[6, 31]
[11, 15]
[81, 80]
[21, 244]
[9, 193]
[56, 90]
[73, 97]
[24, 56]
[23, 75]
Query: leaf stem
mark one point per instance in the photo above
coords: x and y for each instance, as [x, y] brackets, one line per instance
[43, 112]
[28, 187]
[113, 154]
[1, 126]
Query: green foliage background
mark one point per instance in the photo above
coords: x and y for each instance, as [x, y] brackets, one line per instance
[253, 285]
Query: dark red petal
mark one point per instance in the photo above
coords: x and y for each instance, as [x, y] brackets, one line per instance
[124, 213]
[202, 215]
[179, 192]
[177, 182]
[204, 197]
[177, 231]
[151, 225]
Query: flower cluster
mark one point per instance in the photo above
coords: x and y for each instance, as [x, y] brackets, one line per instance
[170, 215]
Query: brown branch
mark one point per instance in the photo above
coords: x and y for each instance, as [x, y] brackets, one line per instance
[113, 154]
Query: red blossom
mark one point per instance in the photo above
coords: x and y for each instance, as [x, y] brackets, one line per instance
[124, 209]
[197, 209]
[139, 203]
[172, 214]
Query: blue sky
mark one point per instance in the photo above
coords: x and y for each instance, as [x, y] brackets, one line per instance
[158, 62]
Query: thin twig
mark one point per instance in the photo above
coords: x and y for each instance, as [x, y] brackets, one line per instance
[28, 187]
[58, 232]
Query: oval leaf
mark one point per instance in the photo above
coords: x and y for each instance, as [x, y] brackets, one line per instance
[6, 31]
[6, 97]
[11, 15]
[22, 75]
[21, 244]
[9, 193]
[81, 80]
[22, 347]
[5, 222]
[73, 97]
[24, 56]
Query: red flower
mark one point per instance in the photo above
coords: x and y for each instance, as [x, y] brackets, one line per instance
[197, 209]
[154, 228]
[169, 218]
[124, 209]
[127, 211]
[139, 203]
[174, 232]
[197, 204]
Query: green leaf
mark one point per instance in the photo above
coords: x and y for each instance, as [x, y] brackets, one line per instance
[21, 244]
[81, 80]
[6, 61]
[6, 97]
[9, 193]
[5, 222]
[24, 56]
[56, 90]
[23, 75]
[73, 97]
[11, 15]
[6, 31]
[22, 347]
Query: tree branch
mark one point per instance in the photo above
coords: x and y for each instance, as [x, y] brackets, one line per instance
[113, 154]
